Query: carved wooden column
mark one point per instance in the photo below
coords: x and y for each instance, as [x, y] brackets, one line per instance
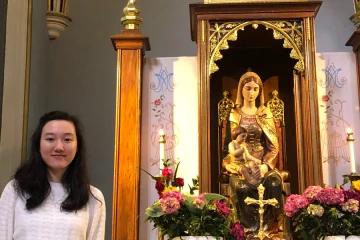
[130, 45]
[354, 41]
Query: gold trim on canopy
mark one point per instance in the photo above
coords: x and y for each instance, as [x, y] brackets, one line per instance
[251, 1]
[292, 33]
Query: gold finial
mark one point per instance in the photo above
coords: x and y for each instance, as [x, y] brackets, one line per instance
[249, 69]
[355, 18]
[131, 20]
[356, 6]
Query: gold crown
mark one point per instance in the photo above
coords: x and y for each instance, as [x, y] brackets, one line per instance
[249, 74]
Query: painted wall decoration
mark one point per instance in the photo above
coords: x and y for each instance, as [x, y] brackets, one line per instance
[338, 111]
[169, 103]
[162, 107]
[333, 128]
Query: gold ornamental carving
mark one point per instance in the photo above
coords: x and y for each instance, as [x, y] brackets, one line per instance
[224, 107]
[290, 32]
[276, 106]
[251, 1]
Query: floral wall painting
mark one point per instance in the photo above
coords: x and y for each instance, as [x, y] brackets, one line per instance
[165, 83]
[337, 97]
[163, 118]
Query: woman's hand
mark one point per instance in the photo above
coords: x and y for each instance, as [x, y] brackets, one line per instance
[249, 177]
[255, 169]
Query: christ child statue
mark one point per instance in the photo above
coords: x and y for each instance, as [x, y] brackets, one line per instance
[241, 161]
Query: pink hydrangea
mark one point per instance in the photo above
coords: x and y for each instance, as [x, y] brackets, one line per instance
[199, 202]
[311, 192]
[351, 194]
[351, 205]
[169, 205]
[294, 203]
[330, 196]
[315, 209]
[174, 194]
[222, 208]
[201, 197]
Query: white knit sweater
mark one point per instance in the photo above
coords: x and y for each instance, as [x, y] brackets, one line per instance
[47, 222]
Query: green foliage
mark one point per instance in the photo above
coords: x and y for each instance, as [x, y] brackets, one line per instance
[195, 186]
[332, 223]
[192, 220]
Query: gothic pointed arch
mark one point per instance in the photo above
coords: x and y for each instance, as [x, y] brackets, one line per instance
[291, 32]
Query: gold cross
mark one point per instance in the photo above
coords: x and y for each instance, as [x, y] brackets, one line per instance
[261, 202]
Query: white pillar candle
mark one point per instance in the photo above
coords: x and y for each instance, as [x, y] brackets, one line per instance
[350, 139]
[162, 147]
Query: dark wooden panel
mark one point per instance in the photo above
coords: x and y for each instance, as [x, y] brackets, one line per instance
[3, 15]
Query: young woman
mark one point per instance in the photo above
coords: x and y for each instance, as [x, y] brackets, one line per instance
[50, 196]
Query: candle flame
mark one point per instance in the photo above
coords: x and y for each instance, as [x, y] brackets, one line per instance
[348, 130]
[161, 132]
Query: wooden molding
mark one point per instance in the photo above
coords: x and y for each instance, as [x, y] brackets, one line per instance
[250, 11]
[130, 46]
[354, 42]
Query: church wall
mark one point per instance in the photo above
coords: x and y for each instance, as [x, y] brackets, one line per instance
[14, 89]
[167, 23]
[333, 27]
[39, 67]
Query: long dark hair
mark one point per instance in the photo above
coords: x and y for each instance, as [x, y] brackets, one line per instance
[32, 177]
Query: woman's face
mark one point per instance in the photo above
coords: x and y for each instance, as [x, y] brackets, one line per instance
[58, 145]
[250, 91]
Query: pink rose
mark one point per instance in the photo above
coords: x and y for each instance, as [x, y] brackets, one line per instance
[222, 208]
[167, 172]
[157, 102]
[159, 187]
[179, 182]
[325, 98]
[238, 231]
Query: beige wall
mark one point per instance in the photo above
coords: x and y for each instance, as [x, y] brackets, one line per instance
[39, 81]
[14, 88]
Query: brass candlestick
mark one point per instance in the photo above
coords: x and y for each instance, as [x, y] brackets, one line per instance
[352, 177]
[350, 139]
[261, 202]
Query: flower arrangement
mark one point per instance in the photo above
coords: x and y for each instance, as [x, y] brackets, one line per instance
[325, 211]
[184, 214]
